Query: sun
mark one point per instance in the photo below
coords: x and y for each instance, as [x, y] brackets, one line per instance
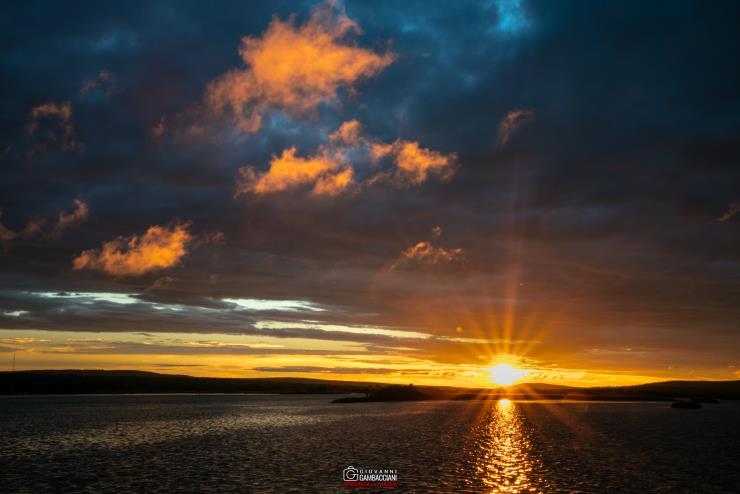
[506, 375]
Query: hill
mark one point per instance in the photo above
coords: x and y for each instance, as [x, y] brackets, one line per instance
[113, 382]
[102, 381]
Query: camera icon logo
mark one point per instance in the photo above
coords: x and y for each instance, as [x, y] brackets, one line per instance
[349, 474]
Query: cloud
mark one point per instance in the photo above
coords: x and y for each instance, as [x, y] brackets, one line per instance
[161, 283]
[325, 171]
[344, 329]
[511, 122]
[51, 126]
[216, 237]
[578, 220]
[104, 81]
[332, 169]
[347, 134]
[293, 68]
[334, 184]
[178, 365]
[512, 18]
[427, 253]
[6, 235]
[67, 220]
[159, 248]
[415, 164]
[33, 228]
[127, 347]
[158, 130]
[325, 370]
[731, 212]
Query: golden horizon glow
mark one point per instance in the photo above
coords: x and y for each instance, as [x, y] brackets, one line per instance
[263, 356]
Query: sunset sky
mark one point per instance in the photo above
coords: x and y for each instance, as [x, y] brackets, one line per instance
[386, 191]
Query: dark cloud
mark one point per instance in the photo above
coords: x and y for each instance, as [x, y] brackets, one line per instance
[595, 226]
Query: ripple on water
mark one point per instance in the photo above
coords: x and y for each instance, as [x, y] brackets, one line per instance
[301, 443]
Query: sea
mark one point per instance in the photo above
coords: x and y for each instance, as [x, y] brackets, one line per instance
[306, 444]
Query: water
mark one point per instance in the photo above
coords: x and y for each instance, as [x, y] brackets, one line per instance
[241, 443]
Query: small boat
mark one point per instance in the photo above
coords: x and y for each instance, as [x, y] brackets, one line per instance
[687, 404]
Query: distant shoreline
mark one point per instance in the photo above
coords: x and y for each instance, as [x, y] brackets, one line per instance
[100, 382]
[17, 395]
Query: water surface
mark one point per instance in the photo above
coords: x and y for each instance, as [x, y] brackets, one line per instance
[301, 443]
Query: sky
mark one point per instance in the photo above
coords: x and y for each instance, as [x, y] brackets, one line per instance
[381, 191]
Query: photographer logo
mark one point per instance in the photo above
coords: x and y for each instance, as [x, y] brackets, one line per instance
[370, 477]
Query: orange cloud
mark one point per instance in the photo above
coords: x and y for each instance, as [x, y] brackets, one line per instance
[51, 124]
[332, 169]
[104, 80]
[74, 218]
[379, 150]
[348, 133]
[415, 164]
[731, 212]
[62, 112]
[426, 253]
[33, 228]
[161, 283]
[511, 122]
[293, 68]
[159, 248]
[325, 171]
[334, 184]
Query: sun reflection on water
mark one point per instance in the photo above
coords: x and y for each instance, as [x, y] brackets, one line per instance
[504, 461]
